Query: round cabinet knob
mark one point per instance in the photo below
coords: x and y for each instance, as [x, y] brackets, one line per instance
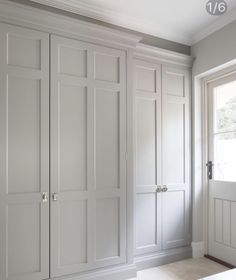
[159, 189]
[165, 189]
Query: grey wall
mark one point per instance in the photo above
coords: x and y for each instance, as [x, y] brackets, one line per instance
[147, 39]
[215, 50]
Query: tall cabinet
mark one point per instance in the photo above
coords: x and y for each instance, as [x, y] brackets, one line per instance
[162, 156]
[77, 103]
[63, 155]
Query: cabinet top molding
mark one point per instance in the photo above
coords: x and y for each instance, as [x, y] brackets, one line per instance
[34, 18]
[53, 23]
[143, 51]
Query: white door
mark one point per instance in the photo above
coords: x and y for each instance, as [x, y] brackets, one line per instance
[24, 154]
[88, 156]
[175, 157]
[148, 156]
[222, 181]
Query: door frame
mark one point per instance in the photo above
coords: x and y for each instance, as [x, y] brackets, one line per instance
[204, 82]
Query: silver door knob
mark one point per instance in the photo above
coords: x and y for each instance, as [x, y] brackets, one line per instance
[159, 189]
[165, 189]
[54, 196]
[44, 197]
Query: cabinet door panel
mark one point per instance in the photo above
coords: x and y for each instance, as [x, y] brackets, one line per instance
[148, 157]
[24, 153]
[88, 146]
[107, 228]
[176, 157]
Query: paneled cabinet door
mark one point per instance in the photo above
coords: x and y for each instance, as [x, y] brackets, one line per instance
[88, 165]
[148, 156]
[176, 156]
[24, 154]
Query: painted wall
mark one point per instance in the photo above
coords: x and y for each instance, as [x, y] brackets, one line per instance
[216, 49]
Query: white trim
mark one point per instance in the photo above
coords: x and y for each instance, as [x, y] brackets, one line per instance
[23, 15]
[198, 250]
[163, 257]
[219, 23]
[143, 51]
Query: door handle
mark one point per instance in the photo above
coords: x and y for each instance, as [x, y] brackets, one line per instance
[54, 196]
[44, 197]
[209, 166]
[164, 189]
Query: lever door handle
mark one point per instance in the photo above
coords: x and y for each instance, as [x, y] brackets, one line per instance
[209, 166]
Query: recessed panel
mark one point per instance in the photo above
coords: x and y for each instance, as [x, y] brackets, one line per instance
[218, 220]
[174, 84]
[174, 216]
[73, 137]
[107, 68]
[24, 51]
[233, 224]
[174, 143]
[23, 135]
[146, 79]
[72, 61]
[107, 228]
[146, 142]
[23, 243]
[107, 138]
[226, 223]
[146, 220]
[73, 233]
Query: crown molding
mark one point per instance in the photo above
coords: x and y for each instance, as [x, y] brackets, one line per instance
[114, 18]
[219, 23]
[34, 18]
[143, 51]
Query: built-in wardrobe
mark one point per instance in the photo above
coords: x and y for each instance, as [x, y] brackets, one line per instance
[94, 150]
[162, 159]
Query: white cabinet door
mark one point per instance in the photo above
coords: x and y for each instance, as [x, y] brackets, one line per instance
[148, 156]
[176, 157]
[88, 150]
[24, 154]
[162, 157]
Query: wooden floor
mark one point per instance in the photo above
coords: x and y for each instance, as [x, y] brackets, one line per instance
[190, 269]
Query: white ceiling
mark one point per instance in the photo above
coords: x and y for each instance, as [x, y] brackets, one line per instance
[183, 21]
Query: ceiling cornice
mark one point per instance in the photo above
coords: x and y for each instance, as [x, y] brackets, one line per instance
[219, 23]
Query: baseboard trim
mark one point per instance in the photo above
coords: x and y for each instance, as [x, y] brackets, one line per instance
[164, 257]
[114, 273]
[198, 249]
[220, 261]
